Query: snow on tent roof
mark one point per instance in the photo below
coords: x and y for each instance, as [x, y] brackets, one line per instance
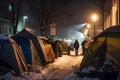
[112, 29]
[41, 37]
[30, 31]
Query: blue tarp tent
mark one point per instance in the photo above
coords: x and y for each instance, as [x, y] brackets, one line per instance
[11, 55]
[31, 55]
[30, 34]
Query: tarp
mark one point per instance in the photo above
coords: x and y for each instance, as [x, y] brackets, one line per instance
[11, 55]
[107, 42]
[29, 51]
[29, 33]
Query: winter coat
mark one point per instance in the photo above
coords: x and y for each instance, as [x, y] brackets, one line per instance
[76, 44]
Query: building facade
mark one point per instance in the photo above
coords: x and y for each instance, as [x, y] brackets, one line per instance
[111, 13]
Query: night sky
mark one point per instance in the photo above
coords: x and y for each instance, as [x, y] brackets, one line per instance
[65, 13]
[69, 13]
[75, 11]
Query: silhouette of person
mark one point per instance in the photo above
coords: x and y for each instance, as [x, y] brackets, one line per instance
[76, 46]
[84, 47]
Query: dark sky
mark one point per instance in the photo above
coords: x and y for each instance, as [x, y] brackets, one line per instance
[68, 13]
[73, 11]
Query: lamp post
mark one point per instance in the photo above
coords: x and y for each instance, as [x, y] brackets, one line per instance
[24, 20]
[88, 27]
[94, 17]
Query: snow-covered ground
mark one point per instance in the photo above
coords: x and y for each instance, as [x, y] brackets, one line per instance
[62, 69]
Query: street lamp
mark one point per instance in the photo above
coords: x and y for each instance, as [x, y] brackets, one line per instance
[94, 17]
[24, 20]
[88, 27]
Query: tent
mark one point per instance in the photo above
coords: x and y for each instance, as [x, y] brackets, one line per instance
[11, 55]
[30, 34]
[47, 49]
[106, 43]
[29, 51]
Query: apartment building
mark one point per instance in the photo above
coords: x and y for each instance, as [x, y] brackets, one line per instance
[111, 13]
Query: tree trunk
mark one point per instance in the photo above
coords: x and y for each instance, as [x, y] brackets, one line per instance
[15, 14]
[14, 30]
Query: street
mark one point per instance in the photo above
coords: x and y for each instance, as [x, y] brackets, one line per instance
[63, 67]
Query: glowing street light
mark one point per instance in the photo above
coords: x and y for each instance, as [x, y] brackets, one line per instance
[88, 27]
[94, 17]
[24, 20]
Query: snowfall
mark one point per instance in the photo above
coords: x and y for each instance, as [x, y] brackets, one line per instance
[62, 69]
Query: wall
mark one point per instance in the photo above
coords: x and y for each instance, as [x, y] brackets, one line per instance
[111, 13]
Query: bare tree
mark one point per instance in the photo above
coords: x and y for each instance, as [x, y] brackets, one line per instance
[42, 12]
[14, 13]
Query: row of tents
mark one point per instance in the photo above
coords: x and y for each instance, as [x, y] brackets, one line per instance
[25, 48]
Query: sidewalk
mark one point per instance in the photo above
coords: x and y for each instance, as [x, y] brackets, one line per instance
[63, 67]
[79, 52]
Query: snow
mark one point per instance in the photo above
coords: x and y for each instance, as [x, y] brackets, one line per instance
[62, 69]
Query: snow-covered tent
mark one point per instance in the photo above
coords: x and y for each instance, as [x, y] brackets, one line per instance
[29, 51]
[11, 55]
[47, 49]
[102, 58]
[107, 43]
[30, 34]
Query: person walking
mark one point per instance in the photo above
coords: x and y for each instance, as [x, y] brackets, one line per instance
[76, 46]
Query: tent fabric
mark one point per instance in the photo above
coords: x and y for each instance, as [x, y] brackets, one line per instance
[92, 52]
[30, 53]
[25, 45]
[107, 42]
[35, 56]
[29, 33]
[11, 55]
[47, 49]
[113, 49]
[114, 30]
